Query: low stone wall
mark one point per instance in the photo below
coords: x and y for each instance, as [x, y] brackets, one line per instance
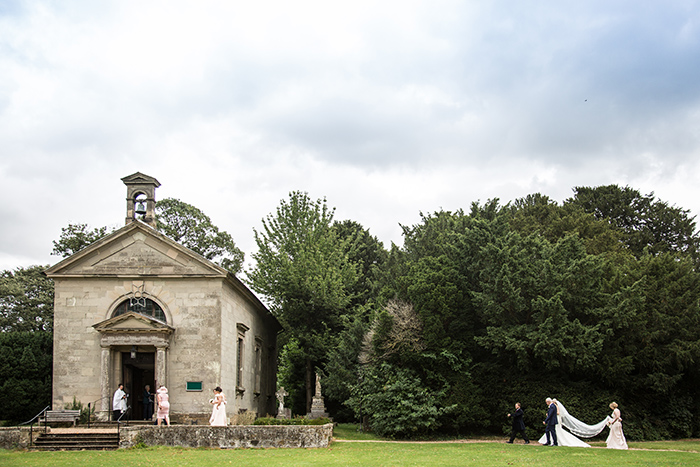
[234, 436]
[16, 437]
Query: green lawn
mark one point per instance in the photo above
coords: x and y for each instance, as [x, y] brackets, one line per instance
[369, 452]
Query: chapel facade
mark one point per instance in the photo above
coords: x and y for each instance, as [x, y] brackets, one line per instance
[138, 308]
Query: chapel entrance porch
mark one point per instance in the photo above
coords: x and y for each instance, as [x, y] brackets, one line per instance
[137, 373]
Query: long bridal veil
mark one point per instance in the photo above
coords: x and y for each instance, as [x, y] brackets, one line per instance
[575, 427]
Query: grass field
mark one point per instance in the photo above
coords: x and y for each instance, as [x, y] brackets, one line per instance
[360, 449]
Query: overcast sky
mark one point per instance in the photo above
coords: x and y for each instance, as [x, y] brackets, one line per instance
[386, 108]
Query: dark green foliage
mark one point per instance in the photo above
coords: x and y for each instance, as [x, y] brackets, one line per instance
[75, 237]
[305, 270]
[85, 412]
[397, 402]
[368, 254]
[339, 375]
[647, 224]
[190, 227]
[26, 300]
[592, 301]
[291, 374]
[291, 421]
[25, 374]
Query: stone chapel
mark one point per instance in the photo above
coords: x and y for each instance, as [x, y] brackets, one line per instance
[138, 308]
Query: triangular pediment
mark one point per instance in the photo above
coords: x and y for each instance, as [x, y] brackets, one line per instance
[138, 179]
[136, 250]
[132, 322]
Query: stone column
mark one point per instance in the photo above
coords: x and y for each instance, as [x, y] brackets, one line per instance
[160, 366]
[105, 406]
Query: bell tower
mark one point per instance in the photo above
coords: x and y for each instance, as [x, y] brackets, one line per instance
[141, 198]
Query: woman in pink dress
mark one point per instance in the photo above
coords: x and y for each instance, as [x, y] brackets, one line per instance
[163, 405]
[616, 439]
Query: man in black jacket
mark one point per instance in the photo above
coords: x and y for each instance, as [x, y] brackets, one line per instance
[518, 424]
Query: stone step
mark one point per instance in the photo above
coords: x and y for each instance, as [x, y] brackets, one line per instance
[77, 441]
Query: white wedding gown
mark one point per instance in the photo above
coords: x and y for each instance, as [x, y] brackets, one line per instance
[575, 426]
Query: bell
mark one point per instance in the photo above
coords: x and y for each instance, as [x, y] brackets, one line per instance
[140, 208]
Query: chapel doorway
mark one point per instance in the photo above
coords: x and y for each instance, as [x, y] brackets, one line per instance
[137, 373]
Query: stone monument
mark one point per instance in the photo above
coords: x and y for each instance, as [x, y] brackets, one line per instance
[282, 413]
[318, 407]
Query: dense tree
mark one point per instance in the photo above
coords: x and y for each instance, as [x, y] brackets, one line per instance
[303, 268]
[25, 374]
[190, 227]
[368, 253]
[646, 223]
[537, 213]
[397, 402]
[26, 300]
[75, 237]
[535, 299]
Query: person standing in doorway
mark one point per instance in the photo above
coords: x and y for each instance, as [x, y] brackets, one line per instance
[518, 424]
[118, 403]
[147, 403]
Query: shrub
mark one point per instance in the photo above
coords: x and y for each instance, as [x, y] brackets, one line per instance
[85, 412]
[291, 421]
[398, 404]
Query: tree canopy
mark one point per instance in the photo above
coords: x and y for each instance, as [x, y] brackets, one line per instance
[26, 300]
[75, 237]
[302, 267]
[190, 227]
[592, 300]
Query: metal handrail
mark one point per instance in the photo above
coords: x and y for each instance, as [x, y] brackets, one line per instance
[92, 406]
[119, 420]
[31, 427]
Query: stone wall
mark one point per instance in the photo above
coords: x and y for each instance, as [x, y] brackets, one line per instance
[16, 437]
[252, 436]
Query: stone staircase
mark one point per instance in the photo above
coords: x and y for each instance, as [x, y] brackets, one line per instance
[76, 441]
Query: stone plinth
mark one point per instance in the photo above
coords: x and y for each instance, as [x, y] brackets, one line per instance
[318, 408]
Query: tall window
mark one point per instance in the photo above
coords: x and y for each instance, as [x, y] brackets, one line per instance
[144, 306]
[239, 363]
[258, 365]
[240, 356]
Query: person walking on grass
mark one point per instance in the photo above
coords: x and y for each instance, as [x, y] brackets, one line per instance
[518, 424]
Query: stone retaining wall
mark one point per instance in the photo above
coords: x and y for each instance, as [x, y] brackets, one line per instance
[16, 437]
[234, 436]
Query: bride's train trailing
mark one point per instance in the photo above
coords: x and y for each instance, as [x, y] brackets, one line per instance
[576, 428]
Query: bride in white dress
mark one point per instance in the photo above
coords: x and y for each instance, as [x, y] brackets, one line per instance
[575, 426]
[218, 413]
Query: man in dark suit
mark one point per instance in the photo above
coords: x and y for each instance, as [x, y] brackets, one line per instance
[518, 424]
[550, 423]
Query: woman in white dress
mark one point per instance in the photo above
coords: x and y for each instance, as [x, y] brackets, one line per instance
[575, 426]
[616, 438]
[218, 413]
